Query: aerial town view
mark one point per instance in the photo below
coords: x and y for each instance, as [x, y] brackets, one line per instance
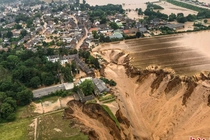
[105, 70]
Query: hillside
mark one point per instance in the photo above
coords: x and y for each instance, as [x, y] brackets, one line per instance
[158, 103]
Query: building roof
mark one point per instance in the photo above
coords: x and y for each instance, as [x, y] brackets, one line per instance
[143, 29]
[93, 29]
[174, 26]
[101, 86]
[48, 90]
[116, 35]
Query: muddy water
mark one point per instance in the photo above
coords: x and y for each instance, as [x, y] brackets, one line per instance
[186, 53]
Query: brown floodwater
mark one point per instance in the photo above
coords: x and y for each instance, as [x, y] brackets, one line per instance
[187, 53]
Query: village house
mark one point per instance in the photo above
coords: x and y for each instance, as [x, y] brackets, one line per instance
[100, 86]
[175, 26]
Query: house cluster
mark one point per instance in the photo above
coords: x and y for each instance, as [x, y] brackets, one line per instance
[68, 59]
[99, 89]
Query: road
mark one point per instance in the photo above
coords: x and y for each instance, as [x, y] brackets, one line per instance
[82, 40]
[86, 32]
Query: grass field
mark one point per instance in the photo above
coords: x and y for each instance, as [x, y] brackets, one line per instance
[18, 130]
[47, 98]
[26, 112]
[54, 127]
[49, 127]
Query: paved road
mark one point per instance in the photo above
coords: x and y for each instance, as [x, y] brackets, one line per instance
[46, 91]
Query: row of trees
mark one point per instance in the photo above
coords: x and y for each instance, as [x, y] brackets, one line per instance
[172, 17]
[12, 94]
[186, 5]
[101, 12]
[22, 70]
[154, 6]
[89, 59]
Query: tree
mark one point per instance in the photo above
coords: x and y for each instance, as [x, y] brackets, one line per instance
[112, 83]
[191, 17]
[9, 34]
[95, 34]
[18, 26]
[23, 33]
[114, 25]
[11, 101]
[140, 12]
[6, 110]
[35, 82]
[138, 34]
[47, 79]
[2, 97]
[103, 20]
[67, 73]
[172, 17]
[205, 21]
[180, 18]
[87, 87]
[24, 97]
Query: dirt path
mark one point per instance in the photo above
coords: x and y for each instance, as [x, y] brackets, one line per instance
[35, 127]
[76, 21]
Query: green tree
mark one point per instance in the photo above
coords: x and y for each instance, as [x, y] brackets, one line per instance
[23, 33]
[24, 97]
[138, 34]
[6, 110]
[87, 87]
[140, 12]
[95, 34]
[35, 82]
[18, 26]
[2, 97]
[67, 73]
[172, 17]
[205, 21]
[47, 79]
[11, 101]
[191, 17]
[9, 34]
[114, 25]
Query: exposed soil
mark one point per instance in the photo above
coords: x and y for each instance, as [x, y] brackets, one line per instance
[96, 122]
[157, 103]
[48, 106]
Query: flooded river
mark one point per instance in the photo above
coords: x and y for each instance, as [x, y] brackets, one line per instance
[187, 53]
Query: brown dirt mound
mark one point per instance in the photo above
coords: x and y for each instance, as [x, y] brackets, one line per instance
[99, 125]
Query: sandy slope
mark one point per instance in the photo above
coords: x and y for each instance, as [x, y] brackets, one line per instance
[159, 115]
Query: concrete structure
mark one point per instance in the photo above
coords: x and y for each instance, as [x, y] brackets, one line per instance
[100, 86]
[116, 35]
[48, 90]
[82, 98]
[175, 26]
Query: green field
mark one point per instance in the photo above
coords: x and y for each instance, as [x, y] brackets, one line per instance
[49, 127]
[54, 127]
[18, 130]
